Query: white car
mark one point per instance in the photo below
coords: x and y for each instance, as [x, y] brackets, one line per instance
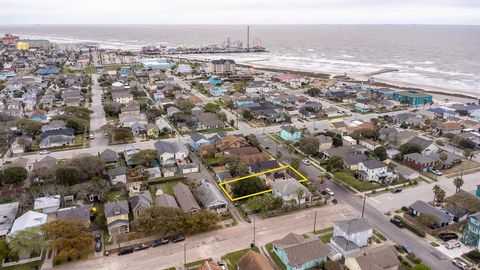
[329, 192]
[44, 152]
[451, 244]
[306, 162]
[436, 172]
[460, 264]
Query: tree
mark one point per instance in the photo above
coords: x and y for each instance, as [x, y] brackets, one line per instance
[68, 237]
[295, 163]
[468, 153]
[112, 109]
[309, 145]
[122, 134]
[467, 143]
[248, 186]
[334, 163]
[27, 241]
[438, 194]
[145, 157]
[12, 175]
[408, 148]
[337, 140]
[222, 116]
[211, 107]
[29, 126]
[278, 155]
[88, 166]
[25, 142]
[201, 221]
[247, 115]
[252, 140]
[96, 186]
[152, 114]
[313, 92]
[443, 156]
[3, 248]
[458, 182]
[381, 153]
[428, 220]
[439, 164]
[264, 203]
[185, 105]
[421, 266]
[68, 176]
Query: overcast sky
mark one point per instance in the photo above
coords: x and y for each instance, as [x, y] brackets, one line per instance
[240, 12]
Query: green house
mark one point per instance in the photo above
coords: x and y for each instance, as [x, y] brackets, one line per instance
[471, 235]
[413, 97]
[290, 133]
[299, 253]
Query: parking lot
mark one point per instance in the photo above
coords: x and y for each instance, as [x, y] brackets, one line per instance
[455, 252]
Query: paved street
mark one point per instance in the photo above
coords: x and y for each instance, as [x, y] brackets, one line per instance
[98, 118]
[216, 243]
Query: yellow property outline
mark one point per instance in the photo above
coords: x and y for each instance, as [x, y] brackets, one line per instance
[222, 184]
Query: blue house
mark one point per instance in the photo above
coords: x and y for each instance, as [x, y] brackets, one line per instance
[198, 140]
[217, 91]
[290, 133]
[299, 253]
[47, 71]
[215, 81]
[413, 97]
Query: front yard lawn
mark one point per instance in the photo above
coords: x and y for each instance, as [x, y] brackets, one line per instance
[354, 182]
[232, 258]
[326, 237]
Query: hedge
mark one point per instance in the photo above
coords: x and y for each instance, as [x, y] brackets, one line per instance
[165, 179]
[411, 227]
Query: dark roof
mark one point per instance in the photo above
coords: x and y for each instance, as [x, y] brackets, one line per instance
[115, 208]
[223, 61]
[185, 198]
[197, 137]
[263, 166]
[417, 157]
[81, 213]
[354, 159]
[300, 250]
[422, 142]
[117, 171]
[373, 164]
[425, 208]
[109, 156]
[61, 131]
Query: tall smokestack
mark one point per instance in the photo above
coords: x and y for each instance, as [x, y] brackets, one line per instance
[248, 37]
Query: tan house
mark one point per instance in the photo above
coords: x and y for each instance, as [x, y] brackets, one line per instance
[380, 258]
[122, 97]
[325, 142]
[231, 142]
[116, 214]
[253, 261]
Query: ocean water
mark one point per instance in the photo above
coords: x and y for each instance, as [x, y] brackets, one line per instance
[439, 56]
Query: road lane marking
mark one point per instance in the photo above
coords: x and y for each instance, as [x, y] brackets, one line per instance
[375, 200]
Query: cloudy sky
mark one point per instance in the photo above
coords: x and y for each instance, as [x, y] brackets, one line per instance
[240, 12]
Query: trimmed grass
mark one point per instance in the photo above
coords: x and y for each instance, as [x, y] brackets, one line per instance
[322, 231]
[171, 268]
[217, 130]
[350, 180]
[232, 258]
[90, 70]
[196, 263]
[168, 187]
[326, 237]
[116, 196]
[278, 263]
[213, 160]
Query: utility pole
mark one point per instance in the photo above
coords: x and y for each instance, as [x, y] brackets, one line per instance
[364, 202]
[315, 222]
[253, 231]
[185, 253]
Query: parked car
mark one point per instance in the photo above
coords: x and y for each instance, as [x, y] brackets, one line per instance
[396, 190]
[98, 246]
[178, 238]
[407, 249]
[306, 162]
[91, 136]
[160, 242]
[125, 251]
[44, 152]
[141, 247]
[460, 264]
[329, 192]
[446, 236]
[451, 244]
[397, 222]
[436, 172]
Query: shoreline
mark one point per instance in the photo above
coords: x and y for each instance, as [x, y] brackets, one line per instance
[436, 91]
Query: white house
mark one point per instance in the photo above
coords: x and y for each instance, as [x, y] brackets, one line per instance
[350, 235]
[118, 175]
[347, 140]
[291, 190]
[260, 87]
[372, 170]
[47, 205]
[28, 220]
[170, 152]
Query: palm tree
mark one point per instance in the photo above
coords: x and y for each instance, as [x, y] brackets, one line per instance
[290, 150]
[300, 193]
[458, 182]
[436, 191]
[31, 240]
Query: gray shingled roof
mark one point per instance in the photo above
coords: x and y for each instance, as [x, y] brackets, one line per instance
[288, 187]
[117, 171]
[425, 208]
[116, 208]
[165, 200]
[383, 257]
[80, 213]
[373, 164]
[355, 225]
[300, 250]
[170, 147]
[185, 198]
[209, 195]
[142, 199]
[424, 143]
[109, 156]
[419, 158]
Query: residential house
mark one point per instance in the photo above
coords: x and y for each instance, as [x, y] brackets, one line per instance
[259, 87]
[140, 200]
[350, 235]
[372, 171]
[290, 133]
[122, 97]
[222, 66]
[76, 213]
[406, 172]
[28, 220]
[165, 200]
[185, 198]
[116, 214]
[419, 162]
[398, 138]
[351, 162]
[362, 107]
[450, 127]
[47, 205]
[172, 110]
[291, 190]
[198, 140]
[452, 159]
[109, 156]
[379, 258]
[347, 140]
[57, 138]
[253, 261]
[427, 146]
[132, 108]
[418, 208]
[8, 212]
[231, 142]
[263, 166]
[118, 175]
[471, 234]
[368, 143]
[413, 97]
[208, 121]
[325, 143]
[170, 152]
[152, 130]
[297, 252]
[211, 198]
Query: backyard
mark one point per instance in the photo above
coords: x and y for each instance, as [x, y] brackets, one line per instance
[350, 180]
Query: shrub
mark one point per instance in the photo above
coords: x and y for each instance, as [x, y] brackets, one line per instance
[474, 255]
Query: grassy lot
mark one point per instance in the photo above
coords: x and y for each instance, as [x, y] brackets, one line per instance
[27, 266]
[196, 263]
[217, 130]
[116, 196]
[354, 182]
[90, 70]
[168, 187]
[326, 237]
[323, 231]
[278, 263]
[232, 258]
[213, 160]
[465, 165]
